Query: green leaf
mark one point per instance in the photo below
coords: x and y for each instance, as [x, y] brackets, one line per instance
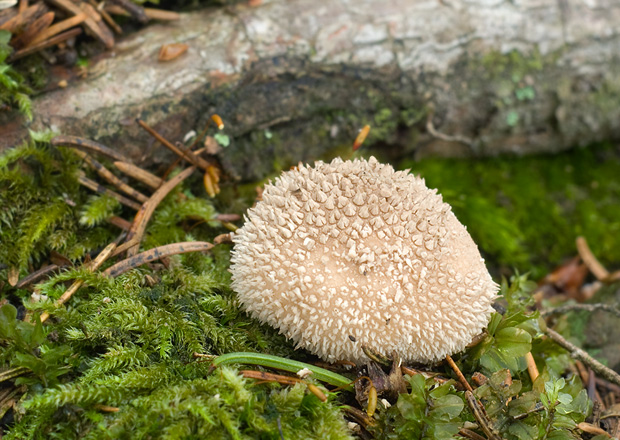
[447, 407]
[222, 139]
[8, 316]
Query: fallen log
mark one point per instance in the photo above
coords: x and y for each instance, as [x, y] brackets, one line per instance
[296, 79]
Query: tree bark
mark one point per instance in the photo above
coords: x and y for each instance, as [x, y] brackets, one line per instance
[295, 79]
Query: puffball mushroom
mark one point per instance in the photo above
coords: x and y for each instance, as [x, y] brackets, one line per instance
[352, 252]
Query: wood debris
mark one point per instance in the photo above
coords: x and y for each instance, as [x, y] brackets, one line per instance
[41, 25]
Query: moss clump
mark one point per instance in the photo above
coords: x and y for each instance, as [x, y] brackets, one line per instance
[526, 212]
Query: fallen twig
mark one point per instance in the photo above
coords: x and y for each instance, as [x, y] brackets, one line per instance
[482, 419]
[89, 146]
[136, 11]
[155, 254]
[88, 183]
[179, 150]
[36, 275]
[148, 208]
[45, 44]
[597, 269]
[111, 178]
[152, 13]
[584, 357]
[459, 375]
[467, 433]
[59, 27]
[92, 266]
[93, 22]
[139, 174]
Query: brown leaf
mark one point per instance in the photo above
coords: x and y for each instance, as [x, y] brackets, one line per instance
[171, 51]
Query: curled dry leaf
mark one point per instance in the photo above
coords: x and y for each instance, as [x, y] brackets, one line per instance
[171, 51]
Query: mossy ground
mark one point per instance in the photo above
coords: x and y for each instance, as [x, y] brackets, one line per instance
[525, 212]
[118, 361]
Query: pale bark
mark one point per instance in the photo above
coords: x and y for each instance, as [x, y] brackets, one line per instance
[491, 76]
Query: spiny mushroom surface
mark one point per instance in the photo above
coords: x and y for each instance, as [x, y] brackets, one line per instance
[352, 252]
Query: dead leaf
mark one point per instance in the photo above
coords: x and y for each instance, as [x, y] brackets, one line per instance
[171, 51]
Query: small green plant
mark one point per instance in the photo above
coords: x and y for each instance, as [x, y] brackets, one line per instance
[13, 91]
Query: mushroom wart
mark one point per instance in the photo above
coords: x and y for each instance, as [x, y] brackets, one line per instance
[352, 252]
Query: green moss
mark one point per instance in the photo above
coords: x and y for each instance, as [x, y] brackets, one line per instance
[526, 212]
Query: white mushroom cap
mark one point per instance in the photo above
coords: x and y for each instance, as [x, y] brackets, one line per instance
[349, 253]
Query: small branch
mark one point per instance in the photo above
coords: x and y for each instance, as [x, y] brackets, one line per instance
[155, 254]
[93, 22]
[146, 211]
[120, 223]
[152, 13]
[579, 307]
[45, 44]
[467, 433]
[136, 11]
[36, 275]
[92, 266]
[176, 149]
[480, 416]
[459, 375]
[91, 184]
[597, 269]
[139, 174]
[88, 146]
[584, 357]
[264, 376]
[59, 27]
[111, 178]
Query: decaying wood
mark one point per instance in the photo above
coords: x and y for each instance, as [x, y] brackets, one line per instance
[155, 254]
[25, 17]
[94, 24]
[513, 77]
[38, 26]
